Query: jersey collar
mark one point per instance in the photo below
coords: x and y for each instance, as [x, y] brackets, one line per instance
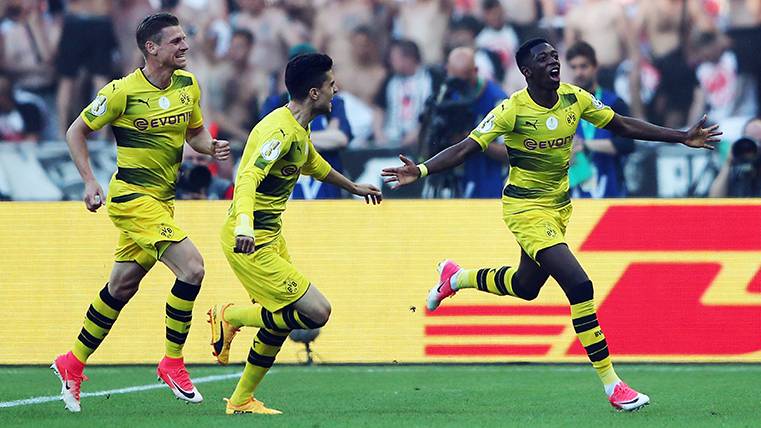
[148, 82]
[535, 105]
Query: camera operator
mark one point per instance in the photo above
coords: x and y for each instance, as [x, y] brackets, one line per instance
[197, 179]
[462, 101]
[740, 176]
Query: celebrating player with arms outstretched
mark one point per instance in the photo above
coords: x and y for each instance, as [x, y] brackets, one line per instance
[538, 124]
[152, 112]
[278, 150]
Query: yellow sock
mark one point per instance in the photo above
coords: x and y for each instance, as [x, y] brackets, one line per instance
[257, 316]
[179, 313]
[261, 356]
[591, 337]
[494, 281]
[100, 317]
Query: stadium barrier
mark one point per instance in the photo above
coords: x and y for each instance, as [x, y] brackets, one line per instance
[675, 280]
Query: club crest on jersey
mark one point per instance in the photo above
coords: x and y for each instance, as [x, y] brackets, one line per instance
[271, 150]
[98, 106]
[164, 102]
[552, 123]
[185, 98]
[487, 124]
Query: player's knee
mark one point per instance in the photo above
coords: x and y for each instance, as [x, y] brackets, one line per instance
[321, 314]
[526, 293]
[194, 272]
[581, 292]
[122, 290]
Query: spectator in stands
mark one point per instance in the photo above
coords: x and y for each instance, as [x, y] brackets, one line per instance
[237, 89]
[484, 173]
[666, 26]
[425, 23]
[525, 17]
[740, 176]
[499, 37]
[365, 77]
[462, 33]
[604, 25]
[330, 134]
[19, 121]
[333, 25]
[88, 42]
[130, 13]
[744, 29]
[28, 39]
[269, 25]
[597, 169]
[724, 93]
[401, 98]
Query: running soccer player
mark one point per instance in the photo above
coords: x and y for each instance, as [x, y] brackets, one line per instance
[538, 124]
[152, 112]
[278, 150]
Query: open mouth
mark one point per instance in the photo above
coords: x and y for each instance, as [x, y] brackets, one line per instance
[554, 73]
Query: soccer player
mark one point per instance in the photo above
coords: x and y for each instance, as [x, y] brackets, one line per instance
[538, 124]
[278, 150]
[152, 112]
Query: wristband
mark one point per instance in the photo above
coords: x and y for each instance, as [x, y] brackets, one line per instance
[423, 169]
[245, 226]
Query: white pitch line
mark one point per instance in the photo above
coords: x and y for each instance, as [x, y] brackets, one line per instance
[139, 388]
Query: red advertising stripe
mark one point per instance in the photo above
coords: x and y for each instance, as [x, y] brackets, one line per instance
[484, 350]
[656, 309]
[677, 228]
[755, 283]
[493, 330]
[496, 310]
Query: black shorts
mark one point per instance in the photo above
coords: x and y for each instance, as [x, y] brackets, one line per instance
[745, 43]
[678, 80]
[89, 42]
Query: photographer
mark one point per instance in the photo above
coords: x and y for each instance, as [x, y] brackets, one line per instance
[461, 102]
[197, 179]
[740, 176]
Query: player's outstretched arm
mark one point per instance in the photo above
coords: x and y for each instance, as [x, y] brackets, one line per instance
[368, 191]
[446, 159]
[697, 136]
[76, 139]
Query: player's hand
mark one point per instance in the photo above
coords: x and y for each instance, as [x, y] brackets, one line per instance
[94, 198]
[401, 175]
[244, 244]
[370, 193]
[702, 138]
[220, 149]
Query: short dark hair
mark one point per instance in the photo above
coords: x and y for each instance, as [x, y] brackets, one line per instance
[249, 36]
[150, 28]
[524, 52]
[304, 72]
[490, 4]
[582, 49]
[467, 23]
[408, 48]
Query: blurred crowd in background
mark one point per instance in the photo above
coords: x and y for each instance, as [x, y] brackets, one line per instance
[404, 87]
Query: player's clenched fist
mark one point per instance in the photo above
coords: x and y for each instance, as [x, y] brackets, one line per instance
[244, 244]
[221, 149]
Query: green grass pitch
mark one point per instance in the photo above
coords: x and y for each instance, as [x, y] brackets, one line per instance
[397, 396]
